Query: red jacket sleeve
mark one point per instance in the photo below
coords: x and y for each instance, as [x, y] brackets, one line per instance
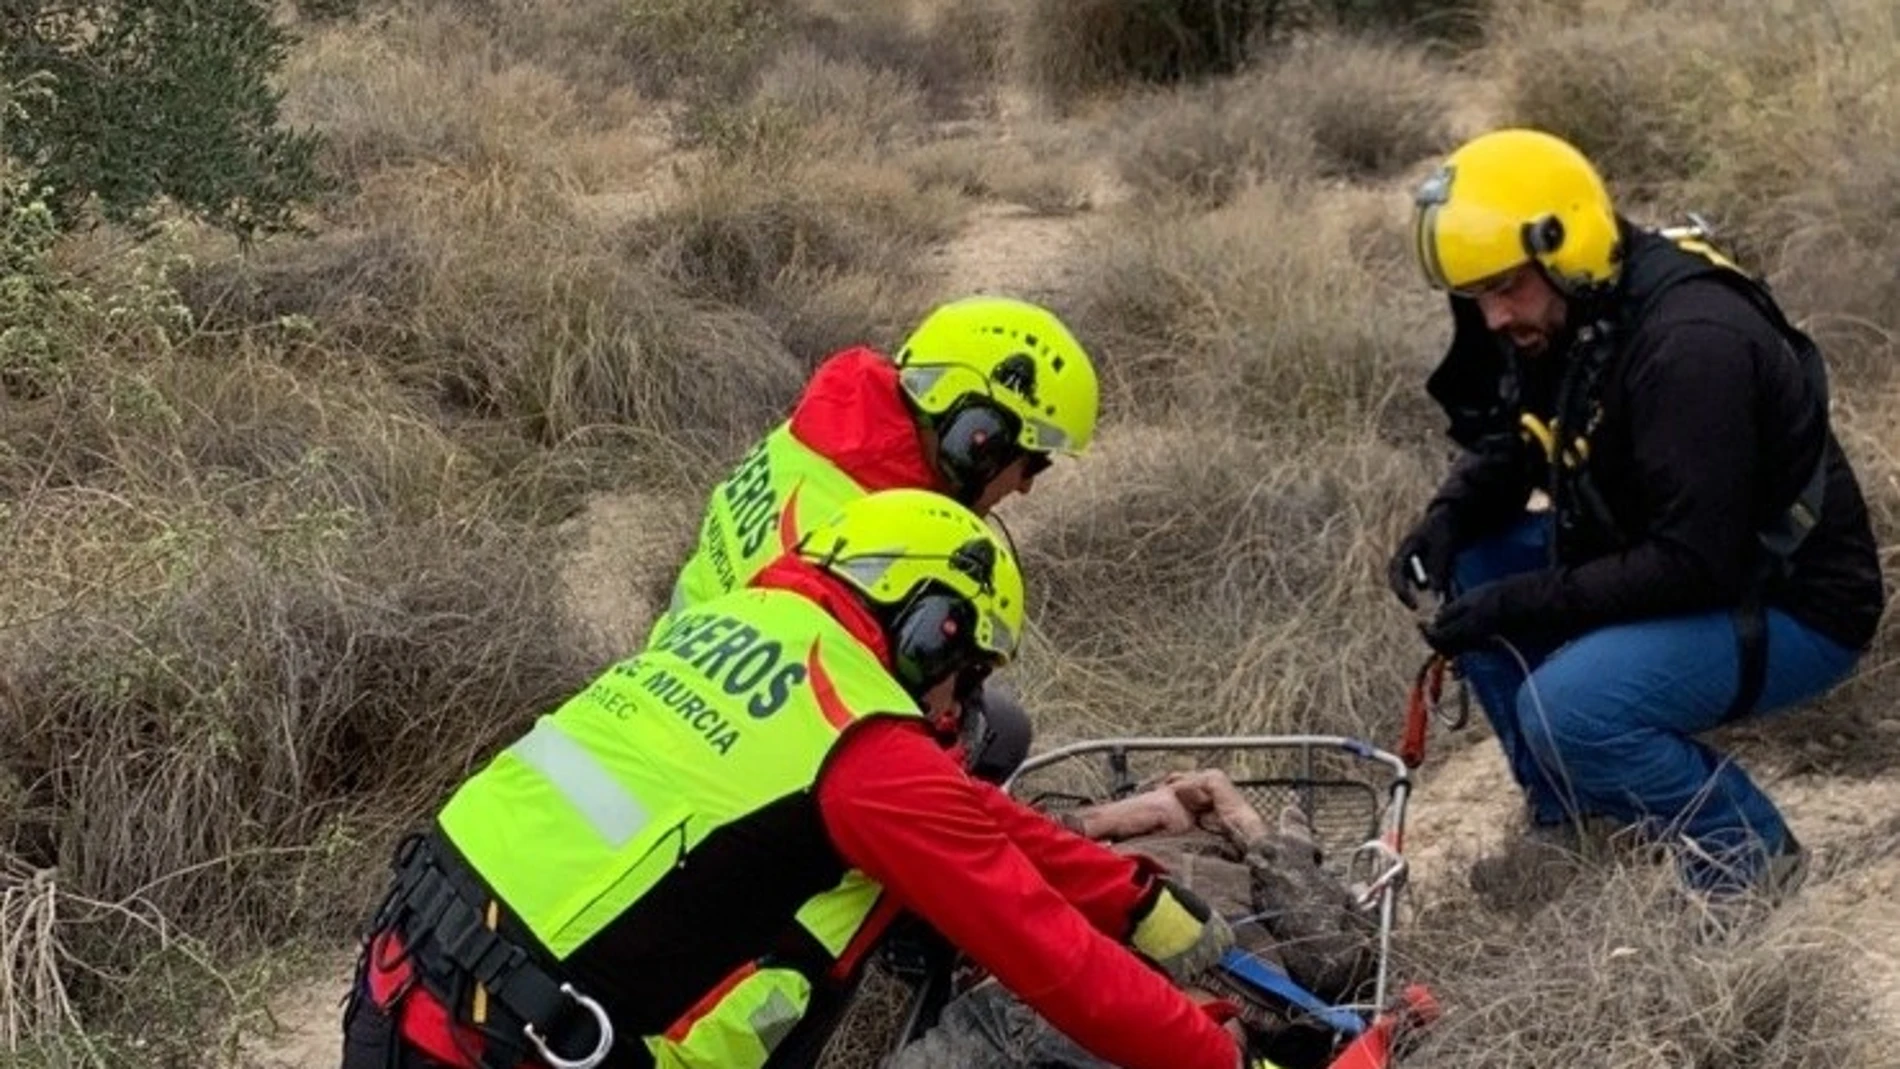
[1106, 886]
[897, 808]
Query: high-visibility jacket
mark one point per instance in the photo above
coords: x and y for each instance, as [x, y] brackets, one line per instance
[657, 833]
[849, 435]
[779, 490]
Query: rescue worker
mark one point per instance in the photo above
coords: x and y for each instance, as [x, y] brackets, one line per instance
[669, 867]
[978, 401]
[1706, 553]
[1289, 913]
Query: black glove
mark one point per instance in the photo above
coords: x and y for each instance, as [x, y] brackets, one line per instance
[1466, 622]
[1434, 543]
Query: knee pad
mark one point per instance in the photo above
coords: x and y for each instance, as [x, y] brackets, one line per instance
[999, 735]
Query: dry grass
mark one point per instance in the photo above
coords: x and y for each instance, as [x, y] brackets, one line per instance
[1613, 975]
[1070, 50]
[432, 87]
[799, 245]
[1266, 310]
[1205, 581]
[1598, 84]
[1374, 109]
[1205, 144]
[1331, 106]
[254, 616]
[264, 600]
[951, 52]
[1044, 181]
[509, 306]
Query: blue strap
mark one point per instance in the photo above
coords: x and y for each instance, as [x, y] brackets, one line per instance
[1265, 977]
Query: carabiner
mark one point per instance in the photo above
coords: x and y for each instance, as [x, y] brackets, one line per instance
[600, 1051]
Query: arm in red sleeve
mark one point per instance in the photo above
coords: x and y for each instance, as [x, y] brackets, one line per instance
[1104, 885]
[897, 808]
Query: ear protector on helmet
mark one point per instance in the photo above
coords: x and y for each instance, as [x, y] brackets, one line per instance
[976, 440]
[932, 639]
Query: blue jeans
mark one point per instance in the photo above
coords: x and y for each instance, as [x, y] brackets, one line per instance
[1603, 725]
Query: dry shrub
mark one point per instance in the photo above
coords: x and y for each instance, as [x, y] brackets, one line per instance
[1626, 92]
[428, 86]
[1613, 974]
[697, 47]
[355, 287]
[1807, 181]
[1206, 143]
[256, 616]
[1263, 311]
[829, 311]
[1069, 50]
[217, 745]
[1374, 109]
[873, 105]
[514, 308]
[589, 43]
[949, 52]
[807, 107]
[1208, 581]
[1328, 105]
[337, 442]
[1653, 92]
[1458, 22]
[792, 244]
[103, 984]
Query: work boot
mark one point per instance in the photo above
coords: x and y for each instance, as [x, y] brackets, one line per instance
[1531, 870]
[1786, 871]
[1725, 912]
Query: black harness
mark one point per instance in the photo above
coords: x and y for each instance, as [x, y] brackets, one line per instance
[462, 952]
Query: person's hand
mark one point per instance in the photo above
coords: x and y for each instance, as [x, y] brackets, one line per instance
[1432, 543]
[1180, 932]
[1465, 623]
[1158, 811]
[1209, 792]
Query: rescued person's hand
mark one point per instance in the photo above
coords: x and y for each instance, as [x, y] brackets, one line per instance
[1208, 792]
[1158, 811]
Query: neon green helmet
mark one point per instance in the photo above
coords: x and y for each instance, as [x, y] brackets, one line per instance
[998, 378]
[948, 591]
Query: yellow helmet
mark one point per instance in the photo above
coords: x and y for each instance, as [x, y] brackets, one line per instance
[998, 377]
[948, 591]
[1508, 197]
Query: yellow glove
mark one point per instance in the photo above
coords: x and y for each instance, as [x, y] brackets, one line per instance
[1179, 932]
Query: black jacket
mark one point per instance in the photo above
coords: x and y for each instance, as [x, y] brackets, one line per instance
[1702, 428]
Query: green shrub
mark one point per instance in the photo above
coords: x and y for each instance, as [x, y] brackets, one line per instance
[142, 99]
